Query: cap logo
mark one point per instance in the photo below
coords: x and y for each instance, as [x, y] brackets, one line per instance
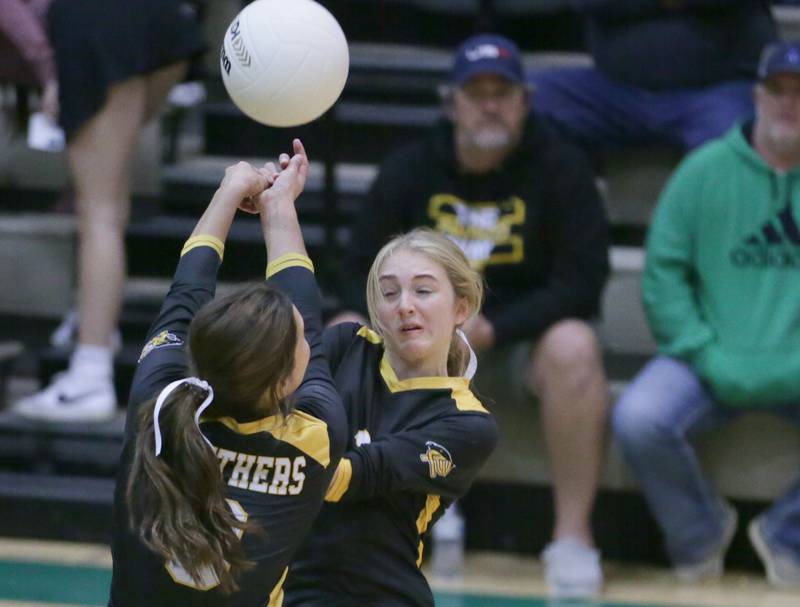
[486, 51]
[793, 56]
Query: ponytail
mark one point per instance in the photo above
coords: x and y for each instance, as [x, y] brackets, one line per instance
[177, 499]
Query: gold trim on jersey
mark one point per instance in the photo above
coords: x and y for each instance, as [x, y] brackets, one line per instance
[459, 387]
[424, 519]
[299, 429]
[276, 596]
[340, 482]
[370, 335]
[289, 260]
[204, 240]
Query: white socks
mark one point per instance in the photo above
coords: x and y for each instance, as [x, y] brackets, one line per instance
[92, 363]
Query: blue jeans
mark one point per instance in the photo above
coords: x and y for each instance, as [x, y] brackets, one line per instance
[654, 420]
[595, 111]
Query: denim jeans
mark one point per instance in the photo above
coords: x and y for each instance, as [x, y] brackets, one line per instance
[663, 409]
[595, 111]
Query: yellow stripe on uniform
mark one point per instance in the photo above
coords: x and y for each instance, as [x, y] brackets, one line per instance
[370, 335]
[424, 519]
[204, 240]
[276, 596]
[340, 482]
[304, 431]
[287, 261]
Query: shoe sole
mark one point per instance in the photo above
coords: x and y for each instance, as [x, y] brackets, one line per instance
[727, 540]
[763, 551]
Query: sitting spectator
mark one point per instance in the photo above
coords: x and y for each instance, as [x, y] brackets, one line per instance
[722, 301]
[523, 206]
[670, 72]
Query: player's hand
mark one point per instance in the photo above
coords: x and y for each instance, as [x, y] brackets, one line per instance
[243, 184]
[289, 179]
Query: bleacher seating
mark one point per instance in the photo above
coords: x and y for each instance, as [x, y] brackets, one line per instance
[390, 97]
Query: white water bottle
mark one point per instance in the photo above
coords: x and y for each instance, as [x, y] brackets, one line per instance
[448, 544]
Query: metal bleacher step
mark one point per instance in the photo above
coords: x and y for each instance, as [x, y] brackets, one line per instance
[188, 185]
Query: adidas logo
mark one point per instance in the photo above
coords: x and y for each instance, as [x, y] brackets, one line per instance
[776, 244]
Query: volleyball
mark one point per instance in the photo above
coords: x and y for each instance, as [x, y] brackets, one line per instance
[284, 62]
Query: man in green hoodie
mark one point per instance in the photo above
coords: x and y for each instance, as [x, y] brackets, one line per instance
[722, 293]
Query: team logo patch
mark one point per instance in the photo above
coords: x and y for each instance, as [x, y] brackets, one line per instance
[165, 339]
[440, 462]
[362, 438]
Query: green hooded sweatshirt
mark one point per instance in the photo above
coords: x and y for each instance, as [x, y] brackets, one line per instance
[721, 285]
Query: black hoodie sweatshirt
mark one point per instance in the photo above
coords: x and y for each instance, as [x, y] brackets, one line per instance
[535, 226]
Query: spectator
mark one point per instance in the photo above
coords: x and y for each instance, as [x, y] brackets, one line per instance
[671, 72]
[523, 206]
[116, 62]
[721, 297]
[25, 53]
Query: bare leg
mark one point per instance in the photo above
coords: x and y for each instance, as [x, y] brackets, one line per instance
[101, 156]
[567, 374]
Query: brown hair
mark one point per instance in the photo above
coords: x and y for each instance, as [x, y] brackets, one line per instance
[243, 345]
[466, 282]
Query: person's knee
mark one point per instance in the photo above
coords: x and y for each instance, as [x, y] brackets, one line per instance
[569, 345]
[637, 422]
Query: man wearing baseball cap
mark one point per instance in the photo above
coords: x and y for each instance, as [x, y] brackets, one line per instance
[721, 291]
[523, 206]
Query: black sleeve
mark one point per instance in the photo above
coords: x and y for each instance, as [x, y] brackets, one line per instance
[441, 458]
[578, 230]
[317, 394]
[163, 358]
[335, 341]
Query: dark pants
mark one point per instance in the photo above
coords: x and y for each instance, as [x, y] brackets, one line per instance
[595, 111]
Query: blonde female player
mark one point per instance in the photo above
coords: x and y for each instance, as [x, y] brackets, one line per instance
[417, 434]
[234, 427]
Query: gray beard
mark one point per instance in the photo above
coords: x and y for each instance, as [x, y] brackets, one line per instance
[490, 139]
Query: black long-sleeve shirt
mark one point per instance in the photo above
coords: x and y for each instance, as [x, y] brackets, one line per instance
[535, 227]
[656, 44]
[414, 446]
[276, 470]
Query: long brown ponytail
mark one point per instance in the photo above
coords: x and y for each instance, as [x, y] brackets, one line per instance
[176, 500]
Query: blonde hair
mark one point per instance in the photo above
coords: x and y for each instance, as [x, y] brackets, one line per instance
[467, 283]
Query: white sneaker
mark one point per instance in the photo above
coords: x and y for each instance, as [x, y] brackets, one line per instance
[68, 399]
[572, 569]
[712, 567]
[782, 570]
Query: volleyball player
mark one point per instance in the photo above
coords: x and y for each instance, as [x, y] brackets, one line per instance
[417, 433]
[234, 427]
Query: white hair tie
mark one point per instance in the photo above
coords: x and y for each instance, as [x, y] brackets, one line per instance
[194, 381]
[472, 365]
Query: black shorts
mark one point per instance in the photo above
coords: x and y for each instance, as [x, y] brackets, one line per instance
[101, 42]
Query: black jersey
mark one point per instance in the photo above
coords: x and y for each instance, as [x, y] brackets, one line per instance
[276, 470]
[414, 446]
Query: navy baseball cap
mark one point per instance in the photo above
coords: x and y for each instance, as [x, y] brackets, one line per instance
[487, 54]
[779, 58]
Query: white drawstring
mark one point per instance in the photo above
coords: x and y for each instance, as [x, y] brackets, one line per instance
[472, 365]
[203, 385]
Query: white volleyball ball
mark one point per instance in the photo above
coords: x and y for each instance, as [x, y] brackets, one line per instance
[284, 62]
